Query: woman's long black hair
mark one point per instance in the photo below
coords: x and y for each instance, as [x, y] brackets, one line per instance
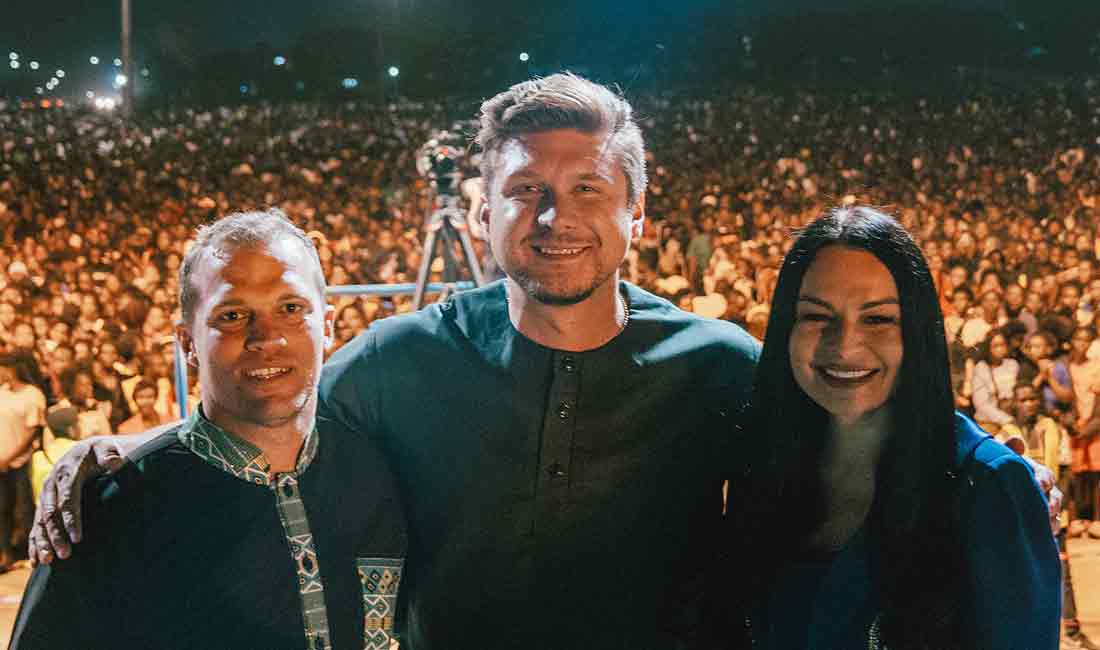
[913, 527]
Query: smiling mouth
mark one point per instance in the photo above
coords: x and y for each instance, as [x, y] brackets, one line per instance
[265, 374]
[845, 377]
[559, 251]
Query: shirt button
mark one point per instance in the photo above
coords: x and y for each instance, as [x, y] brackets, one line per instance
[557, 470]
[564, 409]
[568, 364]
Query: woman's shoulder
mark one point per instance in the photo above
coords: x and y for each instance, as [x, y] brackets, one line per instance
[978, 454]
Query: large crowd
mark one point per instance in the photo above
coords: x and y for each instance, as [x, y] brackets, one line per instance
[1001, 189]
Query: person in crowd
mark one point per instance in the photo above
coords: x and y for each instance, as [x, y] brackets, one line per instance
[147, 416]
[1085, 464]
[993, 379]
[63, 427]
[853, 427]
[22, 416]
[252, 524]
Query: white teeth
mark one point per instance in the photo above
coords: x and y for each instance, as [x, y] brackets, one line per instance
[267, 373]
[847, 374]
[560, 251]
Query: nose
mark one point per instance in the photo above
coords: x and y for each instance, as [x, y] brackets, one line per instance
[264, 335]
[550, 215]
[841, 337]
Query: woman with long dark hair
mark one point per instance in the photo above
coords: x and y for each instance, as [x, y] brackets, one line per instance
[870, 514]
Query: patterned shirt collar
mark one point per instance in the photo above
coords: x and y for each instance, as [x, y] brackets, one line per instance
[233, 455]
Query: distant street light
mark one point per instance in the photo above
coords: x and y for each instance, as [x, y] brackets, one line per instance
[34, 65]
[94, 60]
[394, 71]
[280, 60]
[60, 74]
[525, 57]
[120, 80]
[14, 64]
[118, 63]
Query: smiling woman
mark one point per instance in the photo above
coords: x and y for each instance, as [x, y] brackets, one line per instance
[870, 514]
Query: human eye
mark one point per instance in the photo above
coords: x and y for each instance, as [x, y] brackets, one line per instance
[525, 190]
[880, 319]
[813, 317]
[230, 317]
[295, 309]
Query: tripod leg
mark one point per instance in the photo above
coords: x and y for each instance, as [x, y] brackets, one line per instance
[471, 257]
[425, 266]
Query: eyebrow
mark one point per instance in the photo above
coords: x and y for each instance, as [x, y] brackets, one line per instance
[867, 305]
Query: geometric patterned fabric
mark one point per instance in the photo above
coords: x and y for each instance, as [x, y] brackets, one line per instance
[246, 462]
[380, 578]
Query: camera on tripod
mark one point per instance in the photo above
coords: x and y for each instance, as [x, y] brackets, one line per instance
[440, 160]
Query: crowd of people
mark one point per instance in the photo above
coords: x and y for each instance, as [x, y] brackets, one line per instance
[1001, 188]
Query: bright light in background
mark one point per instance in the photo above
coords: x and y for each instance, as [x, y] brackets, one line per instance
[118, 63]
[13, 55]
[60, 74]
[523, 56]
[34, 65]
[244, 89]
[349, 82]
[15, 64]
[38, 89]
[94, 60]
[54, 81]
[90, 95]
[145, 72]
[120, 80]
[279, 60]
[105, 104]
[394, 71]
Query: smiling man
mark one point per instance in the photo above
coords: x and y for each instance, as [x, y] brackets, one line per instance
[560, 437]
[252, 524]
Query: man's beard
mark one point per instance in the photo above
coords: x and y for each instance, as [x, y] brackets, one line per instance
[538, 292]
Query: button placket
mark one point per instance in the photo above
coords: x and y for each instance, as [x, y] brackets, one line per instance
[559, 424]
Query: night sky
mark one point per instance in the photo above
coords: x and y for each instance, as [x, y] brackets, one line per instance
[64, 33]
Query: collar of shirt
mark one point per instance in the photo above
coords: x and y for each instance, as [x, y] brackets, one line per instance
[487, 325]
[233, 455]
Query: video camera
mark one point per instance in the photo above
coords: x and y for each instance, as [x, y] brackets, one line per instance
[440, 160]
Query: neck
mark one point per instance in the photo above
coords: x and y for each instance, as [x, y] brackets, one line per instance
[860, 440]
[585, 325]
[279, 441]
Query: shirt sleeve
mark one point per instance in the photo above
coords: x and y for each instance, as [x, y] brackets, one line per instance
[347, 391]
[65, 604]
[1015, 576]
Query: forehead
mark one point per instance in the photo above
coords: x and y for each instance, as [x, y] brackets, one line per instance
[557, 150]
[279, 266]
[839, 273]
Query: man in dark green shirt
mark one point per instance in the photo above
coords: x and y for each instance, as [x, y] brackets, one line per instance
[560, 437]
[252, 524]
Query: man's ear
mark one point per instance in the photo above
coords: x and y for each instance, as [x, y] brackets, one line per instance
[637, 219]
[329, 325]
[484, 216]
[187, 344]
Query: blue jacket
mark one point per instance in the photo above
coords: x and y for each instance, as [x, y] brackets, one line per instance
[1015, 594]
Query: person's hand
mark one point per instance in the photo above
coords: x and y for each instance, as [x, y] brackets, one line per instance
[1054, 496]
[57, 519]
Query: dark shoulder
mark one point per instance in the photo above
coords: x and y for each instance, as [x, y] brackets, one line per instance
[163, 460]
[686, 332]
